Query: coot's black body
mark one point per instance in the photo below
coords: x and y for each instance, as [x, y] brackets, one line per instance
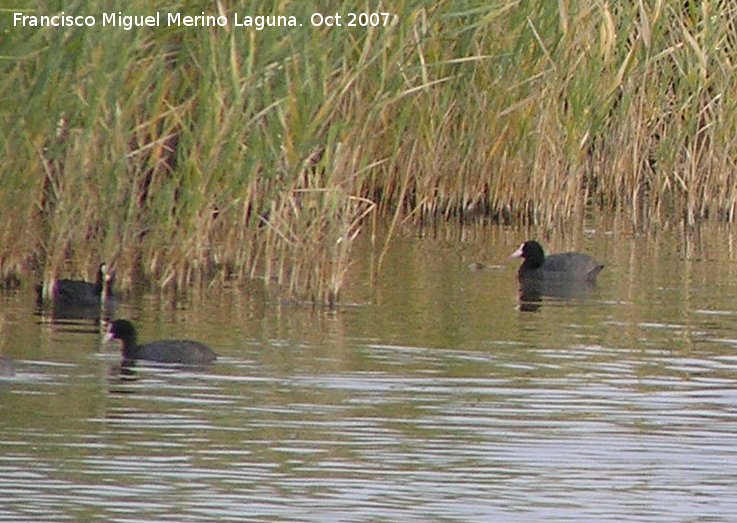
[80, 298]
[567, 266]
[185, 352]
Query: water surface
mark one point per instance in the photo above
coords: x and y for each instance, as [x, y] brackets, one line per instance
[431, 395]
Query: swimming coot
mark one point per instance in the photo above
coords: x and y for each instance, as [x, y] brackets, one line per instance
[79, 293]
[567, 266]
[164, 351]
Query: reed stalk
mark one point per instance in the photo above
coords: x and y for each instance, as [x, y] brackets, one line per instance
[182, 154]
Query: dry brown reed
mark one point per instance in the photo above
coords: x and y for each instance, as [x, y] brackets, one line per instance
[187, 154]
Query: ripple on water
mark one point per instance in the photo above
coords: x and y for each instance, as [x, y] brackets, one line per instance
[544, 425]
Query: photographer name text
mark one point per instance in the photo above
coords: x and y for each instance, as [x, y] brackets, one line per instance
[159, 19]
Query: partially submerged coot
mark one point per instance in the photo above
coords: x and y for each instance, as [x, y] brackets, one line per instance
[79, 293]
[164, 351]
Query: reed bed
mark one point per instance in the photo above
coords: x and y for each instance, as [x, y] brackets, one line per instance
[193, 154]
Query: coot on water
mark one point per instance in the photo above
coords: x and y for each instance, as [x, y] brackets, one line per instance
[567, 266]
[164, 351]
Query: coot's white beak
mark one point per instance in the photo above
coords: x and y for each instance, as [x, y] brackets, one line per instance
[518, 252]
[108, 337]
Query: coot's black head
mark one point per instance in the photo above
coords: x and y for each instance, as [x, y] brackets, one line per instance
[532, 252]
[105, 280]
[121, 330]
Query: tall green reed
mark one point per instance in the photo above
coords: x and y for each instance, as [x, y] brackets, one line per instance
[189, 153]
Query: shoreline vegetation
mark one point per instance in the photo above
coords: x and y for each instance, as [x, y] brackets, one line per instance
[184, 154]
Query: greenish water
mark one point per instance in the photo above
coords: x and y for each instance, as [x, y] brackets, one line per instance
[431, 395]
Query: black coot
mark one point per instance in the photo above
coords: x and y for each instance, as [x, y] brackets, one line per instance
[567, 266]
[79, 293]
[164, 351]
